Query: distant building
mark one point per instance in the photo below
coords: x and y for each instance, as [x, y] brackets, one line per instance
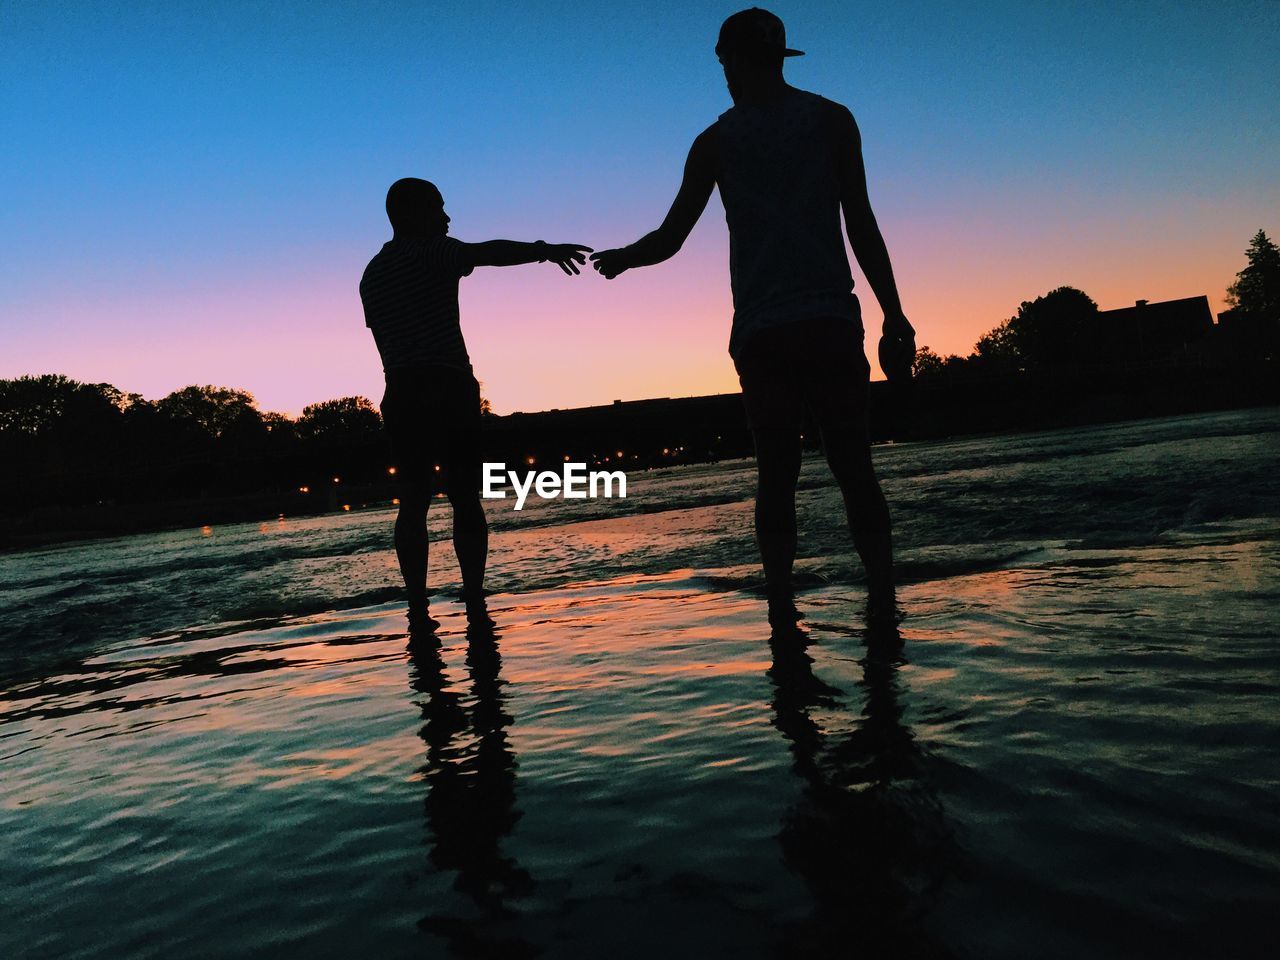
[1156, 331]
[1243, 334]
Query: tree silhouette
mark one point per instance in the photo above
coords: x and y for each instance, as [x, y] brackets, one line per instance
[348, 419]
[1256, 291]
[215, 410]
[927, 363]
[1053, 329]
[38, 406]
[998, 348]
[930, 366]
[278, 424]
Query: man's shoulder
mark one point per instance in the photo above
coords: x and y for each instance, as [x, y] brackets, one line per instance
[708, 136]
[385, 252]
[378, 261]
[395, 254]
[371, 268]
[802, 100]
[817, 101]
[836, 117]
[704, 153]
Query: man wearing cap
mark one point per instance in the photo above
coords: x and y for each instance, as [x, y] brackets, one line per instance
[786, 162]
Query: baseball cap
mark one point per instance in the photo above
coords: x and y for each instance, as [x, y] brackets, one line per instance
[755, 30]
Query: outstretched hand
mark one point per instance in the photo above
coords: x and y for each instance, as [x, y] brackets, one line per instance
[567, 256]
[609, 263]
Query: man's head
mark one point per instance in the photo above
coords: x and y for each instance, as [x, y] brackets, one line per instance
[416, 208]
[752, 46]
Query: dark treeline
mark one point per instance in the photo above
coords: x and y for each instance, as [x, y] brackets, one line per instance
[80, 459]
[67, 447]
[1061, 360]
[1064, 328]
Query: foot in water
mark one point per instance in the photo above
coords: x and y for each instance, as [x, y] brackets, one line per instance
[477, 609]
[883, 640]
[783, 614]
[882, 608]
[421, 623]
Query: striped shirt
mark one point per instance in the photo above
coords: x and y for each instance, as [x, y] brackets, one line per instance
[410, 296]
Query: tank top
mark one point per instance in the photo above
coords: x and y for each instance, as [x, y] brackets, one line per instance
[781, 194]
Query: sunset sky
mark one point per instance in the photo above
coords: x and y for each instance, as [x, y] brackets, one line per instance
[189, 192]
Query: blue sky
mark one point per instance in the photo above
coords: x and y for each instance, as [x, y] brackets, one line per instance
[191, 190]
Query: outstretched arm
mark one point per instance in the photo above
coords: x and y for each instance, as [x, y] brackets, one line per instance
[864, 232]
[508, 253]
[665, 242]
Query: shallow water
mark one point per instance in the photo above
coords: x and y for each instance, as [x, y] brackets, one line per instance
[220, 746]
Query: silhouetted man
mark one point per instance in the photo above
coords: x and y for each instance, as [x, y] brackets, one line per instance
[786, 162]
[431, 408]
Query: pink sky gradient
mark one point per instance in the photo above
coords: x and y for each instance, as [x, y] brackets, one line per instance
[192, 194]
[292, 333]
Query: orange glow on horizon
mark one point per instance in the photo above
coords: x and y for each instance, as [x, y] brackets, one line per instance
[661, 332]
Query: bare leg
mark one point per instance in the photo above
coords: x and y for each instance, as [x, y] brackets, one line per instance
[777, 470]
[470, 541]
[411, 550]
[849, 455]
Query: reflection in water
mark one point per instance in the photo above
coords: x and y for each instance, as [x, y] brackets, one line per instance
[868, 835]
[471, 799]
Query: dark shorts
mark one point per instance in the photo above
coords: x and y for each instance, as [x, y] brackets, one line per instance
[817, 363]
[432, 418]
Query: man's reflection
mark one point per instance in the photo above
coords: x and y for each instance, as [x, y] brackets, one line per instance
[471, 799]
[867, 835]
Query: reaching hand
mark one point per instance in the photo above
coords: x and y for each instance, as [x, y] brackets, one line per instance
[610, 263]
[567, 256]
